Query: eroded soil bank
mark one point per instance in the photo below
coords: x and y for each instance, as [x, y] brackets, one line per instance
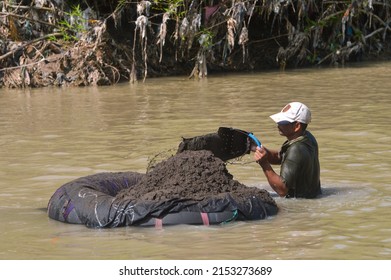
[82, 43]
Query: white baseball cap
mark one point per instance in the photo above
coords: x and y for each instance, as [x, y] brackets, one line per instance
[293, 112]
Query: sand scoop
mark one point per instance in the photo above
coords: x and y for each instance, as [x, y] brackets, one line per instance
[227, 143]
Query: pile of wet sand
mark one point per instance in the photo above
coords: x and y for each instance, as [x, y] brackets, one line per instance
[192, 175]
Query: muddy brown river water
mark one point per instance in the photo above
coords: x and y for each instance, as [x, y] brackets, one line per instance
[51, 136]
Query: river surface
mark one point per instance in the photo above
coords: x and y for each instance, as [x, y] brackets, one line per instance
[51, 136]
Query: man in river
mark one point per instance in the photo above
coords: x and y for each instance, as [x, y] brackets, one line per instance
[300, 171]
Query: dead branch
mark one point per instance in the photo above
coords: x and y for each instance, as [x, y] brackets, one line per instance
[29, 43]
[31, 7]
[28, 18]
[31, 64]
[374, 33]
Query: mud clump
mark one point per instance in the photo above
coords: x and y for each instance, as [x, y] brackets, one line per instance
[191, 175]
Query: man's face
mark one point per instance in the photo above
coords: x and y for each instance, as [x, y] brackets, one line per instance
[286, 128]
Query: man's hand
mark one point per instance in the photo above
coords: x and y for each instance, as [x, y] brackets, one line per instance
[261, 155]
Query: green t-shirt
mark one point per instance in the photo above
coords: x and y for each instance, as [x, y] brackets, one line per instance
[300, 169]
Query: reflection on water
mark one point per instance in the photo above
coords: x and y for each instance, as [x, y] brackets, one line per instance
[51, 136]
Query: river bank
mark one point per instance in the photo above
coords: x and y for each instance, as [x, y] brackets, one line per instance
[82, 43]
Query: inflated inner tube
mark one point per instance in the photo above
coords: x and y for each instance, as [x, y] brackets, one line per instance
[92, 201]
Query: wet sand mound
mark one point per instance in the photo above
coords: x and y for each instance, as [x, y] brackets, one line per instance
[191, 175]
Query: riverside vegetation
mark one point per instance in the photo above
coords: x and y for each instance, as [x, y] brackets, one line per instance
[89, 42]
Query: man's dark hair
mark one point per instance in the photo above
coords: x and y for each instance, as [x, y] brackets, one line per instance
[304, 126]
